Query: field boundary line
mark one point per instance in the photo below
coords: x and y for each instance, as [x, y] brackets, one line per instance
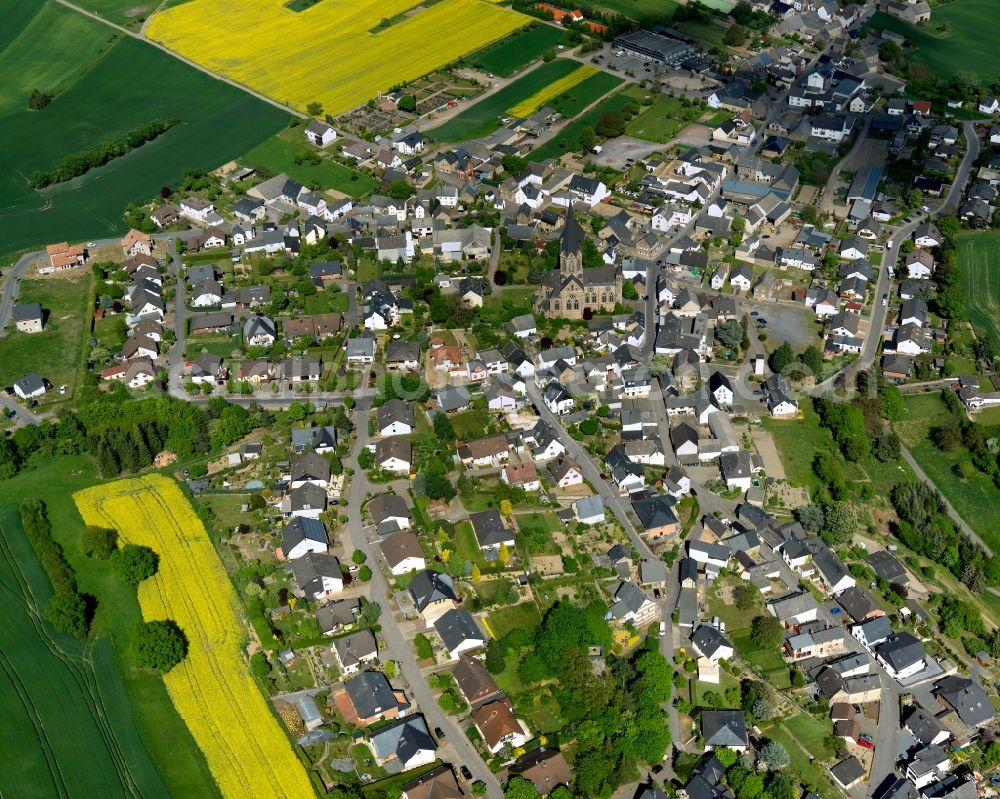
[143, 38]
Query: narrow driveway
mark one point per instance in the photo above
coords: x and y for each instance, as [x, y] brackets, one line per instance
[11, 288]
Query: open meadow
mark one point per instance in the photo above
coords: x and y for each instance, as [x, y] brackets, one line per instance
[339, 53]
[663, 120]
[979, 263]
[637, 9]
[975, 497]
[963, 48]
[212, 689]
[514, 52]
[104, 85]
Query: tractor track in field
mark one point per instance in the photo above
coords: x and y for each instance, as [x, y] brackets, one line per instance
[79, 670]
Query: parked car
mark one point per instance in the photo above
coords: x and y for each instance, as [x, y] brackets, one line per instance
[466, 774]
[439, 733]
[663, 629]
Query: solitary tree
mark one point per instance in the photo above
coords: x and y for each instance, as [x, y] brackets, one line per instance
[98, 542]
[133, 563]
[775, 756]
[159, 645]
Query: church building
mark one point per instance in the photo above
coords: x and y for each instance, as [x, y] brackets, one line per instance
[571, 290]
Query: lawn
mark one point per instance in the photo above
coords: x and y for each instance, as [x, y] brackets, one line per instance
[790, 435]
[278, 154]
[469, 424]
[732, 616]
[963, 48]
[96, 734]
[989, 416]
[698, 689]
[523, 617]
[813, 774]
[810, 732]
[102, 91]
[569, 137]
[662, 121]
[328, 301]
[483, 116]
[547, 520]
[514, 52]
[466, 546]
[975, 498]
[979, 263]
[769, 661]
[55, 352]
[512, 301]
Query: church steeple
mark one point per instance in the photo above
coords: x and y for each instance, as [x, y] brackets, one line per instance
[571, 251]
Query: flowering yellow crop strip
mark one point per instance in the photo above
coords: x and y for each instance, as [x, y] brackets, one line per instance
[244, 746]
[327, 53]
[542, 96]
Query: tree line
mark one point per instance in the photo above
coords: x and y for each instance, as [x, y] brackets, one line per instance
[124, 435]
[68, 610]
[79, 163]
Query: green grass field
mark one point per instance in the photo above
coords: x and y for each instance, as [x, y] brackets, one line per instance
[661, 121]
[483, 117]
[637, 9]
[962, 48]
[101, 92]
[278, 153]
[515, 51]
[55, 352]
[524, 616]
[75, 722]
[976, 499]
[572, 102]
[979, 262]
[789, 434]
[569, 137]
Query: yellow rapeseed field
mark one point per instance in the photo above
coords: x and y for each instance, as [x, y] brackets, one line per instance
[244, 746]
[328, 53]
[542, 96]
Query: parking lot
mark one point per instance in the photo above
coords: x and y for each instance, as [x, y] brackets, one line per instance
[792, 323]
